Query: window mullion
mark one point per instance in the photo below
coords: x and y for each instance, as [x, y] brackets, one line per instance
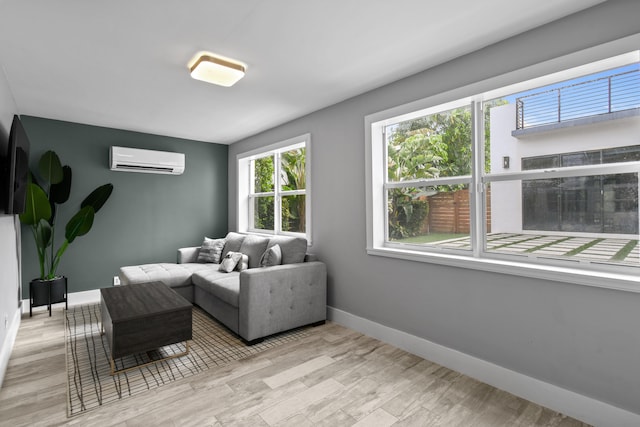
[250, 218]
[277, 200]
[477, 190]
[385, 192]
[450, 180]
[293, 192]
[264, 194]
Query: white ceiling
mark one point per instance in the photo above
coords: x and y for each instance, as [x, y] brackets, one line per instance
[123, 63]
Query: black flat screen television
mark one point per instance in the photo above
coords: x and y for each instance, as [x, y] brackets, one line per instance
[16, 169]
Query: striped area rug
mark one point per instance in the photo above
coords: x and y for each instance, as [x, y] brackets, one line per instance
[90, 384]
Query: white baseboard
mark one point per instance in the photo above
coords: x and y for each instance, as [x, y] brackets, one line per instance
[75, 298]
[7, 345]
[567, 402]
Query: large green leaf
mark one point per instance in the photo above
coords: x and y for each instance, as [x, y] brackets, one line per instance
[37, 207]
[50, 167]
[79, 224]
[98, 197]
[59, 192]
[43, 234]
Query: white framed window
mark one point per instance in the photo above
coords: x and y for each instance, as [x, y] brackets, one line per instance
[538, 178]
[274, 188]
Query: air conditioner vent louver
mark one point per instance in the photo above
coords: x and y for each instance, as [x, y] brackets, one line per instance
[145, 168]
[146, 161]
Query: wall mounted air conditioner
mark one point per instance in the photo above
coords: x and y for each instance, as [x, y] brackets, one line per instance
[146, 161]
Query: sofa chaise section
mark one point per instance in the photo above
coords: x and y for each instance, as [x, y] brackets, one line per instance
[176, 276]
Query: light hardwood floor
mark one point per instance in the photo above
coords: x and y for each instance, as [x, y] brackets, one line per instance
[335, 377]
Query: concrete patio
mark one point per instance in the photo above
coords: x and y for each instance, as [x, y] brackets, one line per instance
[625, 251]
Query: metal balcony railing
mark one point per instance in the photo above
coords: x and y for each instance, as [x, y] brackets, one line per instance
[604, 95]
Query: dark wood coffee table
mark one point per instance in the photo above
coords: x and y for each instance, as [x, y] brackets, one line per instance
[143, 317]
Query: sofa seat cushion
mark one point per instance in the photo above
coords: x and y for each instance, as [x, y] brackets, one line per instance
[224, 286]
[173, 275]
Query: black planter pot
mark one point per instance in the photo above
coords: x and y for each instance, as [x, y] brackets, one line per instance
[47, 292]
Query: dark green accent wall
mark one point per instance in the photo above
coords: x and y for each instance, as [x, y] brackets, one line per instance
[148, 216]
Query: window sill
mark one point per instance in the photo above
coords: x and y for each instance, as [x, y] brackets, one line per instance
[619, 282]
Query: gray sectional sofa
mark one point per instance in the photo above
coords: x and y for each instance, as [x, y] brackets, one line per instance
[278, 287]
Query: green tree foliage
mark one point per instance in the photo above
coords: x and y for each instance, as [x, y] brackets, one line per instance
[263, 183]
[427, 147]
[264, 174]
[438, 145]
[411, 155]
[292, 177]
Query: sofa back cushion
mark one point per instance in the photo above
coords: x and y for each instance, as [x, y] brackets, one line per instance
[233, 241]
[293, 248]
[254, 246]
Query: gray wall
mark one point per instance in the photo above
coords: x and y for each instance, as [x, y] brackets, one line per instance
[582, 339]
[9, 264]
[147, 217]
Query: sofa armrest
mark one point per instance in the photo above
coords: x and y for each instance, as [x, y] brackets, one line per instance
[279, 298]
[190, 254]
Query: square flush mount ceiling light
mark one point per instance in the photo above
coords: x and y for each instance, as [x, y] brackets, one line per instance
[211, 68]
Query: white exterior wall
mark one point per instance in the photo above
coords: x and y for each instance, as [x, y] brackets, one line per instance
[506, 197]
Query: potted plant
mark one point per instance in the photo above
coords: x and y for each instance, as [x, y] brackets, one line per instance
[41, 215]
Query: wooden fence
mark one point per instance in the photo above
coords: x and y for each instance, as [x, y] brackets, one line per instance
[449, 212]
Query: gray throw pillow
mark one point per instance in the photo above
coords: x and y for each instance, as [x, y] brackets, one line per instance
[211, 250]
[230, 261]
[271, 257]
